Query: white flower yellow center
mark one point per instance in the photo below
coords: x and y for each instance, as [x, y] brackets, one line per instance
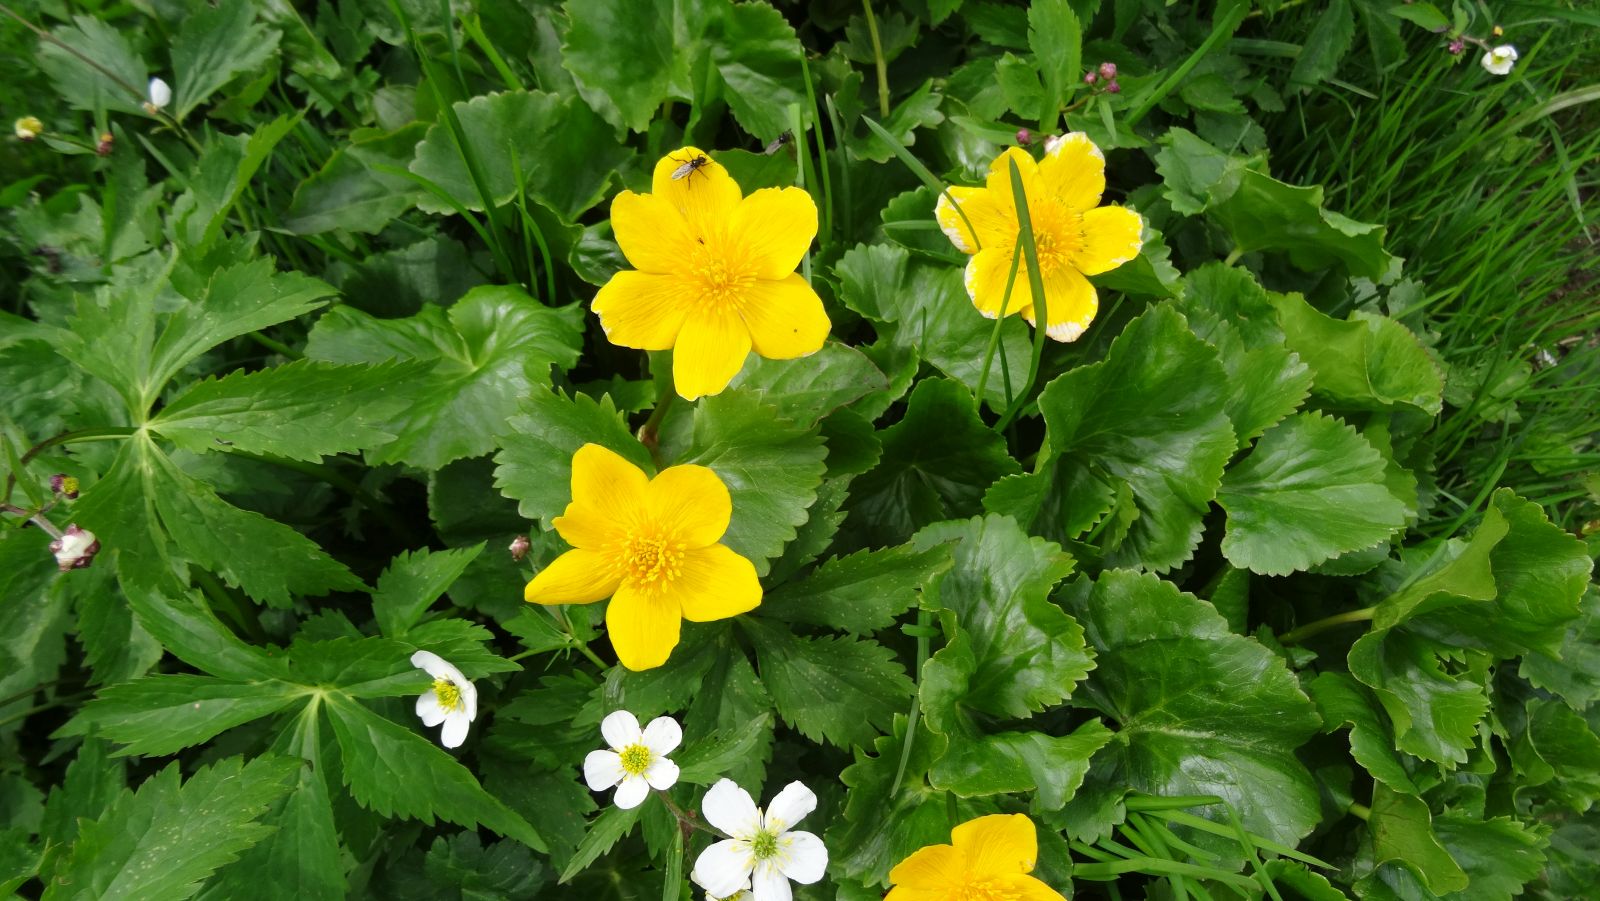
[636, 759]
[448, 694]
[649, 562]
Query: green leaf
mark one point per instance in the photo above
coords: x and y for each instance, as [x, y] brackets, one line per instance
[622, 54]
[164, 840]
[535, 463]
[226, 167]
[709, 758]
[607, 829]
[758, 56]
[492, 347]
[1011, 651]
[1364, 363]
[1311, 489]
[1573, 670]
[1203, 711]
[566, 153]
[1196, 175]
[923, 308]
[937, 462]
[1056, 39]
[395, 772]
[839, 690]
[861, 593]
[1326, 44]
[351, 192]
[1425, 14]
[806, 392]
[1557, 756]
[1266, 214]
[1402, 831]
[184, 624]
[502, 870]
[213, 44]
[1009, 762]
[772, 468]
[358, 666]
[87, 87]
[1434, 702]
[413, 582]
[1151, 416]
[1342, 701]
[301, 410]
[160, 715]
[116, 646]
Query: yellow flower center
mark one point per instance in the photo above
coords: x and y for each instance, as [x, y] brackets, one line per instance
[636, 759]
[764, 844]
[1057, 234]
[721, 284]
[982, 889]
[649, 562]
[448, 694]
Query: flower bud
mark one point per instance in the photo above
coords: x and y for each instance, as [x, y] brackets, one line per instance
[1108, 70]
[1456, 47]
[1497, 31]
[1090, 77]
[104, 147]
[27, 128]
[519, 547]
[1051, 143]
[1113, 87]
[160, 95]
[75, 549]
[1024, 137]
[64, 485]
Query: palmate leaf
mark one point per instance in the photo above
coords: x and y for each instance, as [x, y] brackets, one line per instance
[87, 87]
[861, 593]
[164, 714]
[1008, 762]
[492, 347]
[839, 690]
[1202, 711]
[164, 840]
[212, 46]
[413, 582]
[534, 466]
[1311, 489]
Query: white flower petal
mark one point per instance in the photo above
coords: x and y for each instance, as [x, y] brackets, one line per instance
[469, 698]
[620, 729]
[429, 709]
[602, 769]
[160, 93]
[662, 774]
[803, 857]
[789, 807]
[455, 730]
[631, 792]
[731, 809]
[723, 868]
[663, 735]
[769, 884]
[431, 663]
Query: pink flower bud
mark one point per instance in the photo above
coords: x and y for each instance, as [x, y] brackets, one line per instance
[1108, 70]
[65, 485]
[519, 547]
[104, 147]
[1113, 87]
[1024, 137]
[75, 549]
[1090, 78]
[1457, 46]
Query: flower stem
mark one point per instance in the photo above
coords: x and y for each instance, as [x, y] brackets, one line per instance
[1295, 636]
[1359, 810]
[650, 432]
[686, 819]
[877, 56]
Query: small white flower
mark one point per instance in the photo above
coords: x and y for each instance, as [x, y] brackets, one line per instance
[637, 760]
[75, 549]
[762, 854]
[27, 128]
[1499, 60]
[160, 96]
[452, 700]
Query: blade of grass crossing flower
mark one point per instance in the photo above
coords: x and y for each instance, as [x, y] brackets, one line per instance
[1041, 308]
[1205, 825]
[1107, 871]
[921, 171]
[994, 333]
[822, 154]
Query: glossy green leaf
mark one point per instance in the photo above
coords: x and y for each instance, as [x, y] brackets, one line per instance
[840, 690]
[1402, 831]
[350, 191]
[1344, 702]
[413, 582]
[160, 715]
[622, 55]
[806, 391]
[535, 463]
[1366, 362]
[1434, 702]
[861, 593]
[1009, 762]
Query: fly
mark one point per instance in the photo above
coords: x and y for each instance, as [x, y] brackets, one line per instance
[777, 143]
[690, 166]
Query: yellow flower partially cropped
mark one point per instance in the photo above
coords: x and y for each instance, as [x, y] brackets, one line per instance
[714, 273]
[1074, 235]
[651, 545]
[989, 857]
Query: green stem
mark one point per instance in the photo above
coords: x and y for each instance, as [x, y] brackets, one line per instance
[593, 658]
[276, 346]
[666, 393]
[1295, 636]
[878, 60]
[102, 434]
[1360, 811]
[687, 819]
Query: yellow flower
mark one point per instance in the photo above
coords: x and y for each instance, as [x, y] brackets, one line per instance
[989, 858]
[651, 545]
[1075, 236]
[714, 273]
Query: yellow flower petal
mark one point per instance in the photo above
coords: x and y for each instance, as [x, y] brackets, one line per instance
[771, 230]
[1069, 299]
[934, 868]
[907, 893]
[715, 583]
[691, 501]
[576, 577]
[589, 527]
[999, 181]
[644, 310]
[1027, 888]
[986, 277]
[603, 479]
[1110, 238]
[706, 196]
[785, 318]
[643, 627]
[998, 844]
[1074, 172]
[994, 218]
[709, 353]
[652, 233]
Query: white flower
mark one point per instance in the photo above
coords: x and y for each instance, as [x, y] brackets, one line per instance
[160, 96]
[75, 549]
[762, 854]
[27, 128]
[1499, 60]
[452, 700]
[637, 760]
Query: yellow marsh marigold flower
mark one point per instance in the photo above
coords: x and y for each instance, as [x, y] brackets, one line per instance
[651, 545]
[1075, 236]
[714, 273]
[989, 857]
